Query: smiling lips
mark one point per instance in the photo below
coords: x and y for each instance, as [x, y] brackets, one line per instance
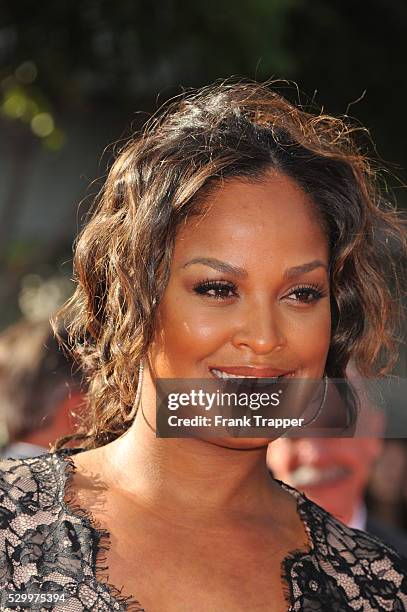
[249, 372]
[312, 476]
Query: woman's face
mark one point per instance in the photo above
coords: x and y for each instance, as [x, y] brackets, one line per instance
[248, 292]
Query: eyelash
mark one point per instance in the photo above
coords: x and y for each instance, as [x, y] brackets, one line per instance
[215, 285]
[314, 290]
[204, 287]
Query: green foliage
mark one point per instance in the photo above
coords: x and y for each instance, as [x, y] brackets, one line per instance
[125, 50]
[97, 52]
[20, 100]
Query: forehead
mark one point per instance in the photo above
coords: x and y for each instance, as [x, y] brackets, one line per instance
[271, 217]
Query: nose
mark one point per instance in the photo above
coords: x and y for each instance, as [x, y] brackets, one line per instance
[260, 329]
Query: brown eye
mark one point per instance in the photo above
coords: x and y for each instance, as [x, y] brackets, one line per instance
[306, 294]
[216, 289]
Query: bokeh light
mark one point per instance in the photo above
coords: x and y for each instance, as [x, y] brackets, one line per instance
[42, 124]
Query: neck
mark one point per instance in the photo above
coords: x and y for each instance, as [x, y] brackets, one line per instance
[188, 474]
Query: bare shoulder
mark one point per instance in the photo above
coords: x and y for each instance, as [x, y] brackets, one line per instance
[92, 487]
[88, 485]
[89, 463]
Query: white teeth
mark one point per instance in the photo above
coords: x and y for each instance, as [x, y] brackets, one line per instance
[221, 374]
[309, 475]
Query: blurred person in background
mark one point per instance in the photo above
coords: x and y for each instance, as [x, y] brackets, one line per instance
[39, 388]
[387, 491]
[335, 472]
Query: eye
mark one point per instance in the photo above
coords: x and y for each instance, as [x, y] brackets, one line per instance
[306, 294]
[216, 289]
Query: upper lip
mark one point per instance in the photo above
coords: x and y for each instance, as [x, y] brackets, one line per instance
[254, 371]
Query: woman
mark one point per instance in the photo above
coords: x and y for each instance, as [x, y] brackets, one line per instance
[236, 236]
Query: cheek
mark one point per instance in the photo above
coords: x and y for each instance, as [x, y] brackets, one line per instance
[310, 335]
[188, 333]
[351, 453]
[361, 454]
[280, 457]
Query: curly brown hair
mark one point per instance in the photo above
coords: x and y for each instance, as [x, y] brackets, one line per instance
[160, 176]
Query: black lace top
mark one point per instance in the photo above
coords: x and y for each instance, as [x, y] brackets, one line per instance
[49, 545]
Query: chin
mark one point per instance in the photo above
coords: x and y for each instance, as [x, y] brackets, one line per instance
[240, 443]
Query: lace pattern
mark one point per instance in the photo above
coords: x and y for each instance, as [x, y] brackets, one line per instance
[346, 569]
[49, 544]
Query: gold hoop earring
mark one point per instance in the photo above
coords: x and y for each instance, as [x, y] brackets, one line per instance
[137, 398]
[322, 404]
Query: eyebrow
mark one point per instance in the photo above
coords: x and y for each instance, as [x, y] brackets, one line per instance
[304, 268]
[220, 266]
[227, 268]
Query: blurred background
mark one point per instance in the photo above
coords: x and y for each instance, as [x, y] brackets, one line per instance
[76, 78]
